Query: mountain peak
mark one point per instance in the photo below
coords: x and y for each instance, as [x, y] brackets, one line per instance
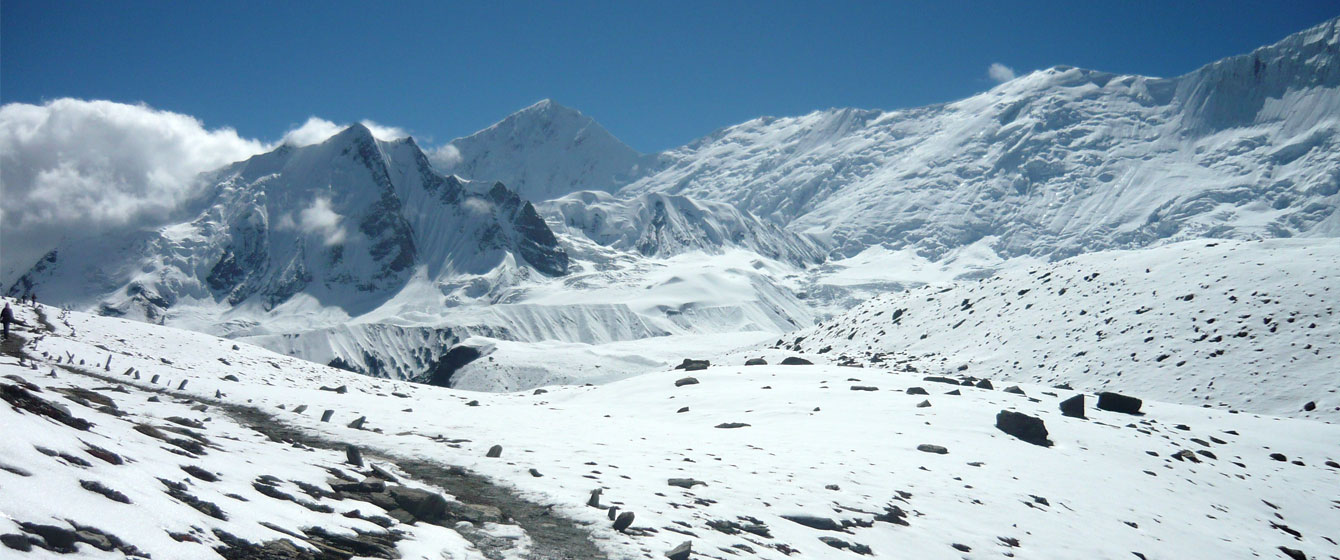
[544, 151]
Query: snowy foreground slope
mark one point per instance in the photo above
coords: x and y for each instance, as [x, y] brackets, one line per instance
[821, 462]
[1252, 326]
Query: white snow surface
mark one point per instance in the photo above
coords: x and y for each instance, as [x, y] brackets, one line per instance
[1108, 487]
[1246, 325]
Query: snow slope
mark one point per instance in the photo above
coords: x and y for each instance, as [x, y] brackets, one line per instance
[1054, 163]
[1233, 324]
[134, 472]
[657, 225]
[1177, 481]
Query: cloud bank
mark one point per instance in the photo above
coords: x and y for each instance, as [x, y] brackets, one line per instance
[1000, 73]
[74, 167]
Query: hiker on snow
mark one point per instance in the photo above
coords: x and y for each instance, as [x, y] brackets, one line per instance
[7, 317]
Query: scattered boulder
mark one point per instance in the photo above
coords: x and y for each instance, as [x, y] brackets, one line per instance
[1014, 389]
[594, 500]
[682, 551]
[955, 392]
[814, 522]
[864, 388]
[686, 381]
[844, 545]
[1279, 457]
[353, 456]
[685, 482]
[930, 448]
[916, 391]
[20, 543]
[682, 409]
[794, 361]
[57, 539]
[1027, 428]
[300, 409]
[1310, 406]
[535, 473]
[1116, 402]
[624, 521]
[985, 384]
[924, 404]
[732, 425]
[693, 365]
[422, 504]
[1073, 407]
[358, 423]
[940, 379]
[494, 452]
[1293, 553]
[325, 416]
[750, 362]
[98, 488]
[342, 389]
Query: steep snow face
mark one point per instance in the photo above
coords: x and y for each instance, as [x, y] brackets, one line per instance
[542, 152]
[346, 223]
[1055, 163]
[1247, 325]
[659, 225]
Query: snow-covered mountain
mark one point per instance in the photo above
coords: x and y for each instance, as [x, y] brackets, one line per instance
[659, 225]
[343, 224]
[543, 151]
[1246, 325]
[1054, 163]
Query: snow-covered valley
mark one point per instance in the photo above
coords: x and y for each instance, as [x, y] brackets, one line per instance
[763, 461]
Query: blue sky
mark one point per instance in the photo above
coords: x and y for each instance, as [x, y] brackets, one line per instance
[657, 74]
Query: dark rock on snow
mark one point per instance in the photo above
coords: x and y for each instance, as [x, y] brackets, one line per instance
[1028, 428]
[1117, 402]
[1073, 407]
[794, 361]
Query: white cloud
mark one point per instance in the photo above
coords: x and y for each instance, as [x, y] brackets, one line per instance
[317, 130]
[446, 157]
[1000, 72]
[320, 219]
[88, 166]
[77, 168]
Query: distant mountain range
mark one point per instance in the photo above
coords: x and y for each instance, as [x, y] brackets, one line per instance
[380, 257]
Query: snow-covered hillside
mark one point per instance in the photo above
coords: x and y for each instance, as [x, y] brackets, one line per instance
[1054, 163]
[1243, 325]
[543, 151]
[658, 225]
[766, 461]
